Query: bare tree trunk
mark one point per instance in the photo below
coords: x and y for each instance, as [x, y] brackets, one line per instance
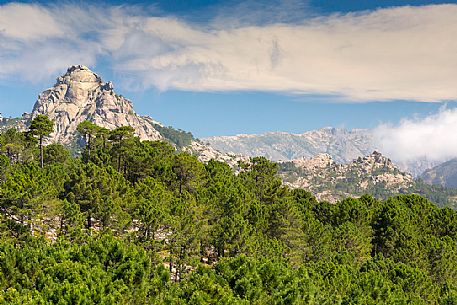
[171, 266]
[88, 146]
[61, 224]
[89, 221]
[41, 152]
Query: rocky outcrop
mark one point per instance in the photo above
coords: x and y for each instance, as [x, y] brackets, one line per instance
[81, 95]
[205, 153]
[316, 163]
[328, 180]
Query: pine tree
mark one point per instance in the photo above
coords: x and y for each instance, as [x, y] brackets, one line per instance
[41, 127]
[88, 130]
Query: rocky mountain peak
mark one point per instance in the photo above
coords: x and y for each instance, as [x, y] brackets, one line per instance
[80, 73]
[376, 160]
[80, 95]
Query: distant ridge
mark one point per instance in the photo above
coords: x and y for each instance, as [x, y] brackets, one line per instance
[444, 174]
[328, 180]
[342, 144]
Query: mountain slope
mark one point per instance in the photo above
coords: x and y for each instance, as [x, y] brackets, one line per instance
[444, 174]
[81, 95]
[373, 174]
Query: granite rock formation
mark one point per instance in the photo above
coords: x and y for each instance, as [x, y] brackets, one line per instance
[81, 95]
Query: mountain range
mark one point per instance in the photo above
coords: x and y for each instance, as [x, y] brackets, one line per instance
[330, 162]
[341, 144]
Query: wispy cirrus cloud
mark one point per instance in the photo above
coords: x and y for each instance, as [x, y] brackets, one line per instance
[399, 53]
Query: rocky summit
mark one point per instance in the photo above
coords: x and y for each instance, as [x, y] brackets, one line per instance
[81, 95]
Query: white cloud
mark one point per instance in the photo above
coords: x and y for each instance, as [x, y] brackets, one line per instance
[27, 22]
[39, 42]
[433, 138]
[399, 53]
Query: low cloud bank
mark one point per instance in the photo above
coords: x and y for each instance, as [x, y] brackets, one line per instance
[433, 138]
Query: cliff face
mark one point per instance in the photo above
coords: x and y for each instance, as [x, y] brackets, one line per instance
[80, 95]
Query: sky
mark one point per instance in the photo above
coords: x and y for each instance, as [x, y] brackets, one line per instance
[231, 67]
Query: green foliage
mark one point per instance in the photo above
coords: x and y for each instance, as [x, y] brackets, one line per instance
[56, 153]
[17, 146]
[152, 208]
[178, 137]
[102, 271]
[41, 126]
[137, 222]
[88, 131]
[100, 192]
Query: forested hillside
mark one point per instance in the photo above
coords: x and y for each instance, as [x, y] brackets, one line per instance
[131, 222]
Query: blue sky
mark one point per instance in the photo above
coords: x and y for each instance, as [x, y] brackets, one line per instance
[229, 67]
